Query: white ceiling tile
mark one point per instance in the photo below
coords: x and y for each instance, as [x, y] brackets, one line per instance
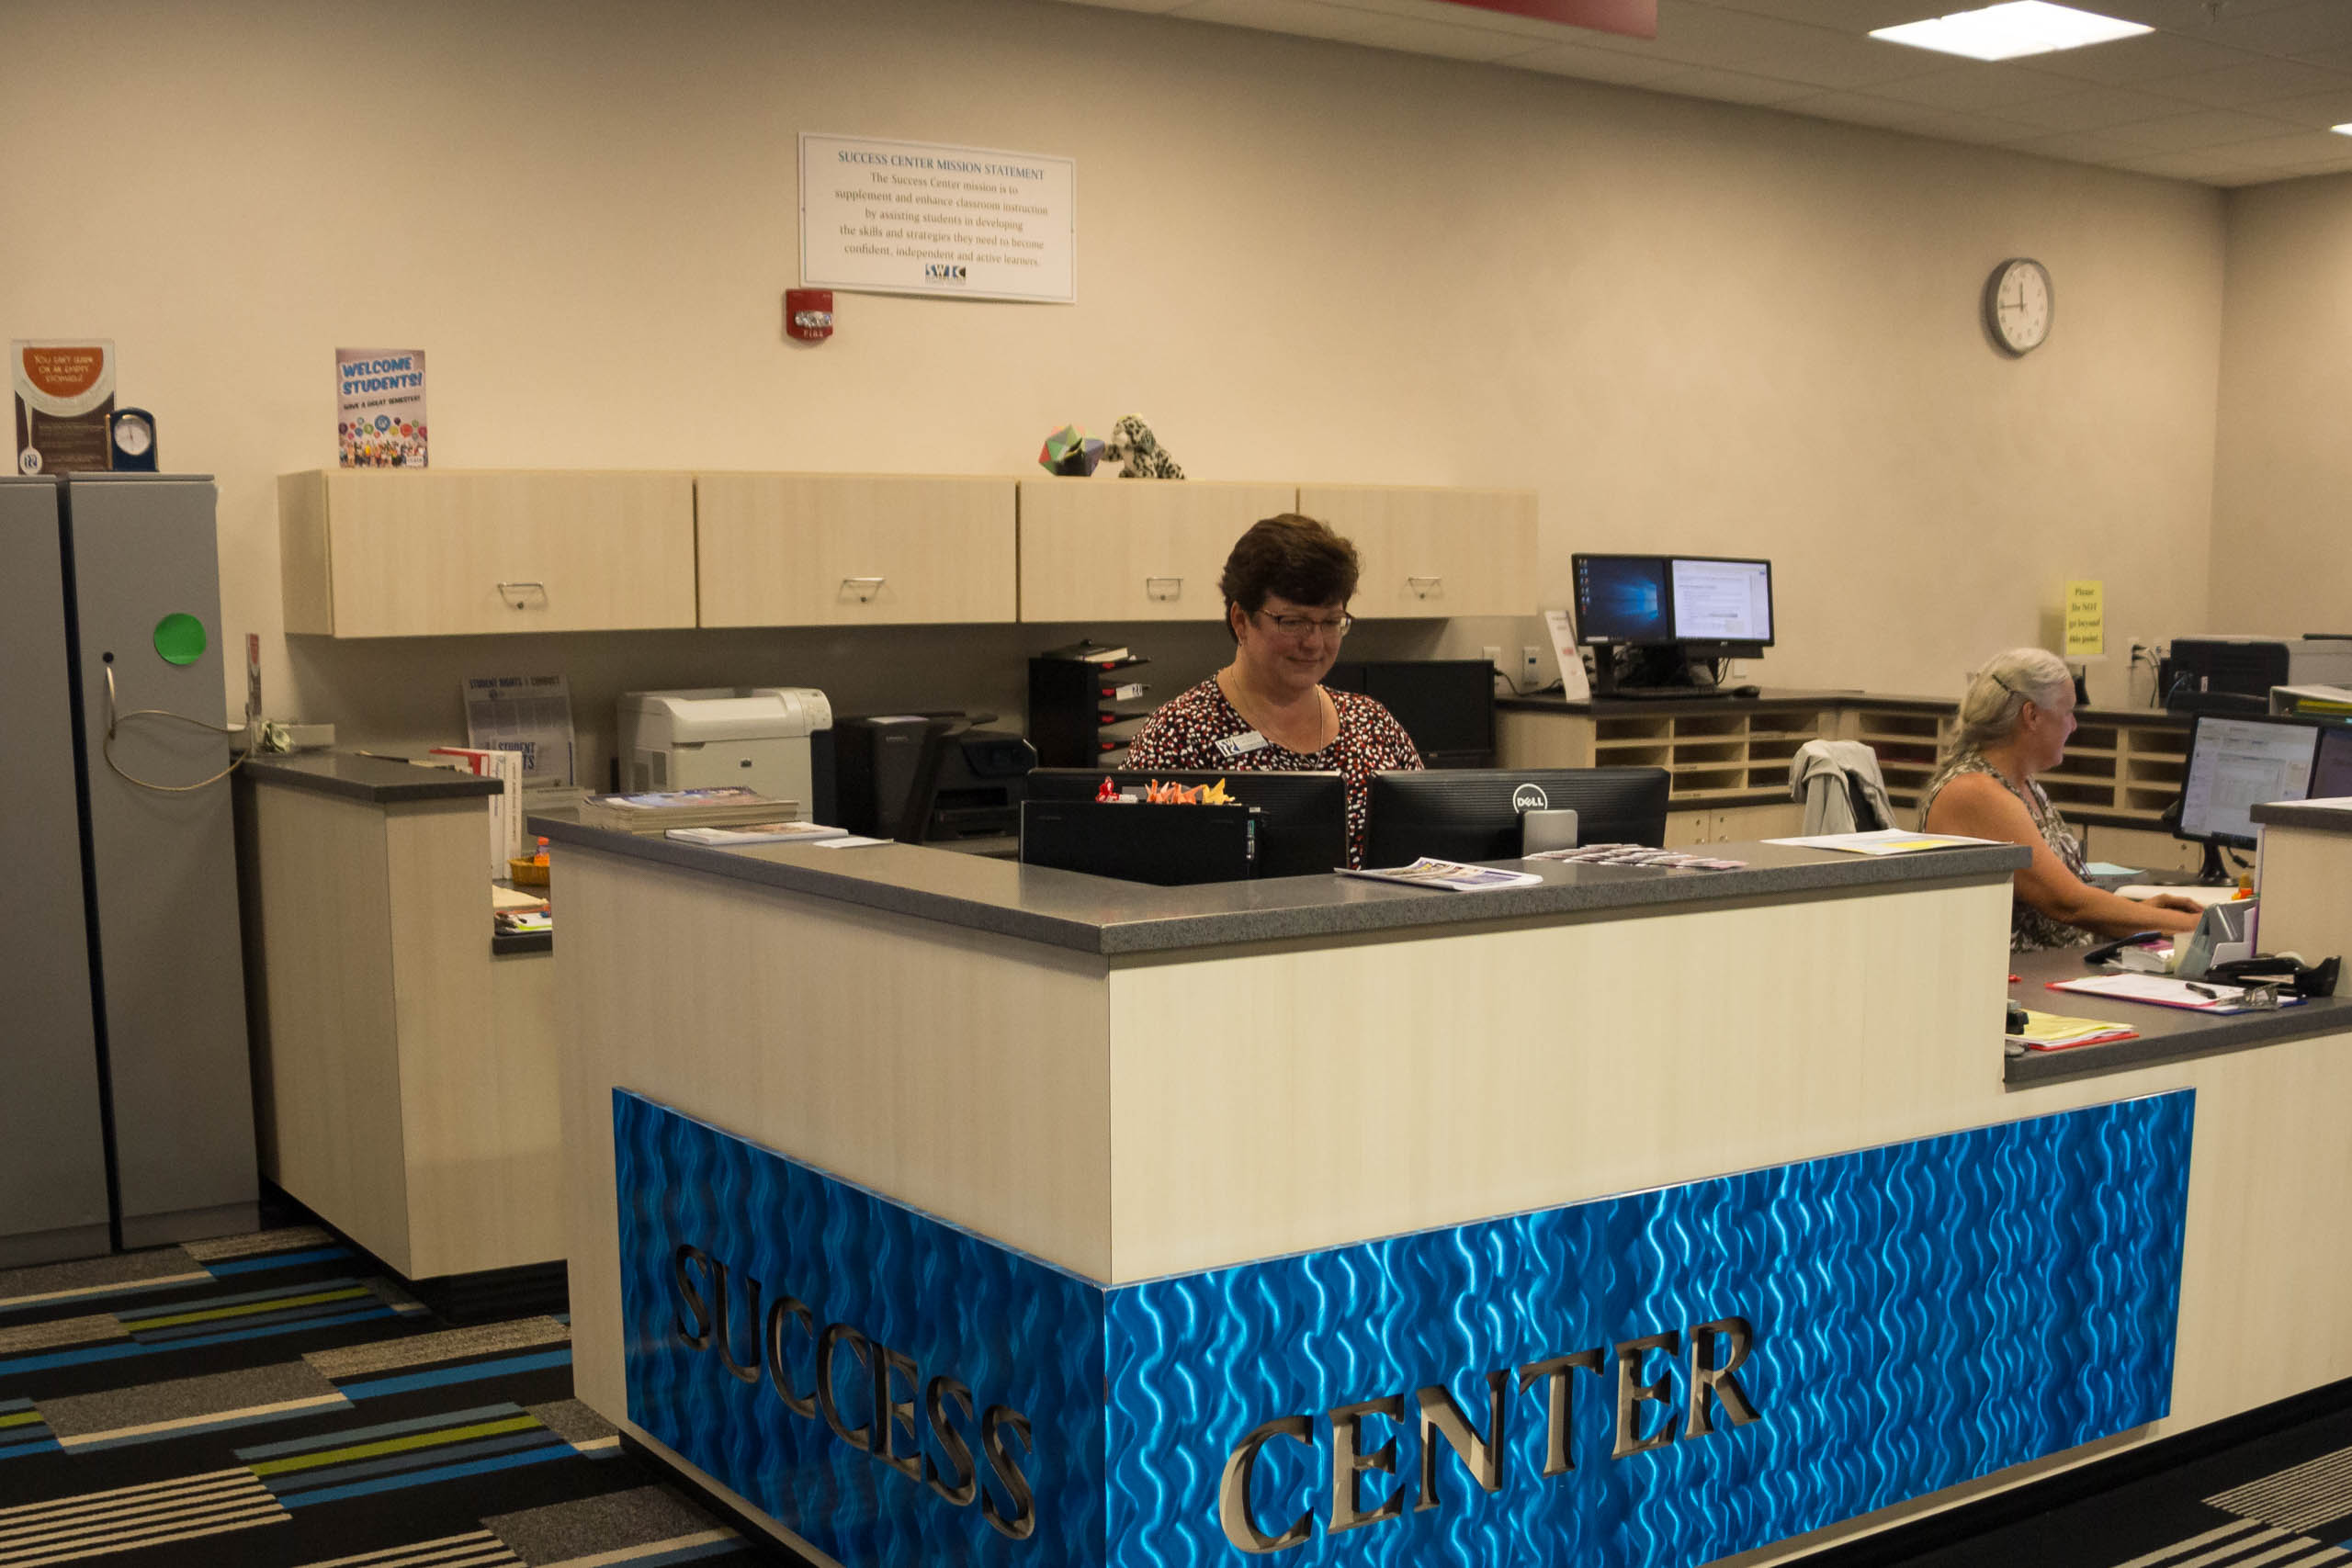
[2300, 147]
[2211, 166]
[1731, 86]
[1594, 64]
[2205, 128]
[1342, 24]
[1858, 108]
[2091, 108]
[2256, 83]
[2078, 146]
[2150, 57]
[2287, 29]
[2314, 111]
[1982, 86]
[1766, 46]
[1861, 108]
[1855, 16]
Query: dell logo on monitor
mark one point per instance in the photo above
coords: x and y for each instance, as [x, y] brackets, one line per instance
[1530, 797]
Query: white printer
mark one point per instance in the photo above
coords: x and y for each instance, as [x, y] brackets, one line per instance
[763, 737]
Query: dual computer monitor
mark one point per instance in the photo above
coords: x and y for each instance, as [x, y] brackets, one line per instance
[1706, 604]
[2235, 764]
[1467, 814]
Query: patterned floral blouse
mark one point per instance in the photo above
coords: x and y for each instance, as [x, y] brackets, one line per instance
[1184, 732]
[2029, 929]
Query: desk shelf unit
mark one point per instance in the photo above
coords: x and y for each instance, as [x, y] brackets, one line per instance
[1715, 757]
[2122, 766]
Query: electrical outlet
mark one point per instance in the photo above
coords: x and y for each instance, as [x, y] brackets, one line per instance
[1531, 667]
[1492, 654]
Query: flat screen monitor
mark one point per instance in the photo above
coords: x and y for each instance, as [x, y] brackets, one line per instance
[1302, 817]
[1447, 705]
[1717, 600]
[2235, 764]
[1621, 599]
[1472, 814]
[2332, 774]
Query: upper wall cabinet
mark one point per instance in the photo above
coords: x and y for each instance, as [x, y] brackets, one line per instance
[850, 550]
[1433, 552]
[1134, 549]
[393, 553]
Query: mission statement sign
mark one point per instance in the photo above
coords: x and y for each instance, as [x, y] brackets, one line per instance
[912, 218]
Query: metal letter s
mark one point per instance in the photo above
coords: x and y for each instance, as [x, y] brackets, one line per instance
[690, 1299]
[1024, 1522]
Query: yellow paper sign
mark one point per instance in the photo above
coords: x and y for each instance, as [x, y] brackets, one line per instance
[2086, 619]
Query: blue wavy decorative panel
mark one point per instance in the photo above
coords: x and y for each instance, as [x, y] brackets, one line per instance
[1662, 1378]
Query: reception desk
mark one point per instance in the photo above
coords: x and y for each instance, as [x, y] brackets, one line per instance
[938, 1210]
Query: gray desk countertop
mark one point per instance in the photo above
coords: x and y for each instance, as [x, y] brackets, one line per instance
[1093, 914]
[370, 779]
[2167, 1034]
[2296, 814]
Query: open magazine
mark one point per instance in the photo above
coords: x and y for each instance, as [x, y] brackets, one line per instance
[1448, 873]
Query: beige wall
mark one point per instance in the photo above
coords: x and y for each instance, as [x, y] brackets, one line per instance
[2283, 485]
[1688, 325]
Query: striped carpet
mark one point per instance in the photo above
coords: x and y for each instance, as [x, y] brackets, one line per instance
[270, 1401]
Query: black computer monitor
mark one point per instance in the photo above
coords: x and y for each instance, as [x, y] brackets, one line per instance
[1472, 814]
[1302, 817]
[2237, 763]
[1722, 606]
[1447, 705]
[1623, 599]
[2332, 774]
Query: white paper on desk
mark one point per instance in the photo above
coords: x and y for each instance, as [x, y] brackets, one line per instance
[1573, 684]
[2160, 990]
[851, 842]
[1882, 841]
[2330, 802]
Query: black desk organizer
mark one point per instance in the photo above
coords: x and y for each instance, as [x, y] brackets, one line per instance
[1072, 708]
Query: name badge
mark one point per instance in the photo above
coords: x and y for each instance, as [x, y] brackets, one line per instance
[1241, 745]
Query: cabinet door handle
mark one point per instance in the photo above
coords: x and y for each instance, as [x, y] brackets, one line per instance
[1163, 588]
[515, 593]
[1424, 587]
[864, 588]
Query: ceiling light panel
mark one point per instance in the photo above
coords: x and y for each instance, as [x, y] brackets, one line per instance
[2010, 31]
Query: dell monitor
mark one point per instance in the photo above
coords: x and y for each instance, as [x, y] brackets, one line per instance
[1302, 817]
[2235, 764]
[1472, 814]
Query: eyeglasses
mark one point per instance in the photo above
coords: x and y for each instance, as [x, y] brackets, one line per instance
[1302, 626]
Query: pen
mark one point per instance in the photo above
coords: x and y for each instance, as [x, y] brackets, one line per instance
[2204, 990]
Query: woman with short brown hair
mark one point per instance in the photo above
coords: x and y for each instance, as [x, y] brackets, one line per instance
[1286, 587]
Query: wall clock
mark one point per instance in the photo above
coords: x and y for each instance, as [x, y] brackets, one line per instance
[2017, 305]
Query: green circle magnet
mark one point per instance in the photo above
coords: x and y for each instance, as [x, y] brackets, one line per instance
[179, 638]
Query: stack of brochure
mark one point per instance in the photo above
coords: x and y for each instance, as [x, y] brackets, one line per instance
[658, 812]
[2049, 1032]
[760, 834]
[1447, 873]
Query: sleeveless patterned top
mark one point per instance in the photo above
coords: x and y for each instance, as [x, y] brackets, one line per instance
[2029, 929]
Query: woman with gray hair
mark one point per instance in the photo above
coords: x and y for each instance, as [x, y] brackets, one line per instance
[2013, 724]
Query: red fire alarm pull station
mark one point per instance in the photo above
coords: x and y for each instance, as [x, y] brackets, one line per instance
[809, 315]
